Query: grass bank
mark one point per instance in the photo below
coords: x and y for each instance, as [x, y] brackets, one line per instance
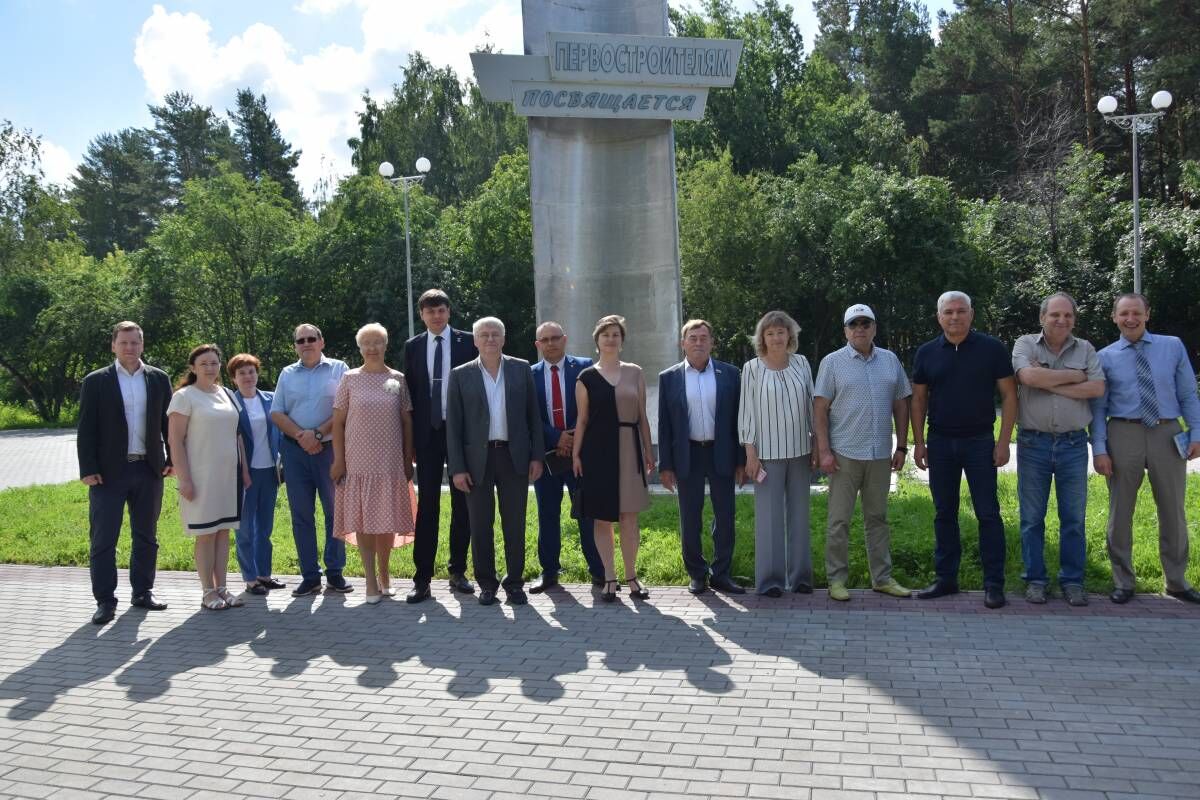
[47, 525]
[14, 416]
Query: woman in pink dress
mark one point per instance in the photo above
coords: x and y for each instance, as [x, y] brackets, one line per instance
[372, 461]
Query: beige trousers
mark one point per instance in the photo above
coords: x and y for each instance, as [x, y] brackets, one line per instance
[1136, 450]
[872, 479]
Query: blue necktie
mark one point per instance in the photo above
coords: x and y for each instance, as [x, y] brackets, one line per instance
[437, 414]
[1148, 407]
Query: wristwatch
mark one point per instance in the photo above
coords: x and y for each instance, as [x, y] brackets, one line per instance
[320, 436]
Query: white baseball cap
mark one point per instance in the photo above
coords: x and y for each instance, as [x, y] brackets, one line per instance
[856, 311]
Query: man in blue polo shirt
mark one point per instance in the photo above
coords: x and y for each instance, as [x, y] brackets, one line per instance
[955, 380]
[303, 411]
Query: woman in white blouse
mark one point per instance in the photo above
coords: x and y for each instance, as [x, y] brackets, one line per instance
[775, 423]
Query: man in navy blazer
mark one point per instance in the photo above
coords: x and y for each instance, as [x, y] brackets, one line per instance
[428, 359]
[123, 456]
[698, 441]
[558, 370]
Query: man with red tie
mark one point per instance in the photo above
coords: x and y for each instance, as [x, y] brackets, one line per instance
[554, 379]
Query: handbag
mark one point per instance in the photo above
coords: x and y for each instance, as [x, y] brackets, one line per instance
[576, 502]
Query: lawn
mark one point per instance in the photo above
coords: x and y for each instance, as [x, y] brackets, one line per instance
[20, 417]
[47, 525]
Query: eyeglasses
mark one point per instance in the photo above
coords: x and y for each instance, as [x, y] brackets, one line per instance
[308, 339]
[859, 323]
[550, 339]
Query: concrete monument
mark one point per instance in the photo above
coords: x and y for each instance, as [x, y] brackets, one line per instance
[601, 82]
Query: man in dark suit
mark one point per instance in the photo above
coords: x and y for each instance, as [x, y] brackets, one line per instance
[494, 444]
[698, 441]
[554, 378]
[122, 445]
[428, 359]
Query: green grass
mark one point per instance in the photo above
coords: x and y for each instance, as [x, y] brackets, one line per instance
[17, 417]
[47, 525]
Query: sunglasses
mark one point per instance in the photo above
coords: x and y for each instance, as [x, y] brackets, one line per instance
[308, 339]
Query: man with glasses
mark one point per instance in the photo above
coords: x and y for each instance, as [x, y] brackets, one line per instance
[428, 359]
[1056, 376]
[303, 412]
[554, 380]
[861, 392]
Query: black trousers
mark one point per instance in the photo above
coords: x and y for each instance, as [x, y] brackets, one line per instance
[139, 488]
[502, 482]
[691, 514]
[431, 465]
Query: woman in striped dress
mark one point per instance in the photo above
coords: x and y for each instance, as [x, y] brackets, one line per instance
[775, 423]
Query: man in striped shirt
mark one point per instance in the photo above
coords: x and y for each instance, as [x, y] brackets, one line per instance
[861, 389]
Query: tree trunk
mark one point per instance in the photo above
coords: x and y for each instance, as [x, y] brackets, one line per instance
[1089, 106]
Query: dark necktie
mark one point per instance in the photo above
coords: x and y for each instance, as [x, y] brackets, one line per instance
[1148, 407]
[556, 399]
[437, 413]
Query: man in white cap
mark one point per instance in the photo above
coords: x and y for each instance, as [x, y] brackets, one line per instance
[861, 389]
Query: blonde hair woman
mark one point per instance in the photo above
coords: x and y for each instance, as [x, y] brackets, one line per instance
[775, 423]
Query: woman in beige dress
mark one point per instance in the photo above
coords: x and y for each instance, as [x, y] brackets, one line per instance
[202, 429]
[611, 398]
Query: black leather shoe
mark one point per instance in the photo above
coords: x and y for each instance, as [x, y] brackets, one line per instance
[993, 597]
[802, 588]
[1121, 596]
[726, 584]
[517, 598]
[459, 583]
[937, 589]
[104, 614]
[486, 598]
[307, 586]
[697, 586]
[542, 584]
[774, 591]
[147, 602]
[338, 584]
[1189, 595]
[420, 591]
[271, 583]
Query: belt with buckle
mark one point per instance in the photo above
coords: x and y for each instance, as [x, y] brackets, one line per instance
[136, 457]
[1138, 420]
[698, 443]
[497, 443]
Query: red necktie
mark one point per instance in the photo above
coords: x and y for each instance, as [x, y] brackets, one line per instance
[560, 418]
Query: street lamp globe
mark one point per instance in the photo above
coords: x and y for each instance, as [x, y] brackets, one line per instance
[423, 164]
[386, 169]
[1107, 104]
[1161, 100]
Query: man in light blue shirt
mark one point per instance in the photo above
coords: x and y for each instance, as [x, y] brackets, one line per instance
[303, 412]
[1149, 384]
[861, 390]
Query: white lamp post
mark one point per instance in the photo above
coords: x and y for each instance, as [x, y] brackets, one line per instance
[386, 170]
[1135, 123]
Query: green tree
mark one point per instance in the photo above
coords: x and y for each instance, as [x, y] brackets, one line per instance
[264, 152]
[119, 191]
[192, 140]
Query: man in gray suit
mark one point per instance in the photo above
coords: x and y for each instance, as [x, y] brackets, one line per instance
[494, 443]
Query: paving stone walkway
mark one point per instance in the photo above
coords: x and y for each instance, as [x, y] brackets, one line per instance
[801, 698]
[37, 456]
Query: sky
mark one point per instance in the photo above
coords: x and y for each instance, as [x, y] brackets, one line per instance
[74, 69]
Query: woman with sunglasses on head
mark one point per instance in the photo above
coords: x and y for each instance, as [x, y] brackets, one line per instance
[202, 423]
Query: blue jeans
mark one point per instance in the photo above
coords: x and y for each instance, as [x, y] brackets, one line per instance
[307, 477]
[549, 492]
[1062, 457]
[258, 520]
[949, 458]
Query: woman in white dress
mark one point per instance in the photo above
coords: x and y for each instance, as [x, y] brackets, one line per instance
[202, 425]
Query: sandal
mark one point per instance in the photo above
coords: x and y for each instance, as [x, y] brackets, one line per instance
[216, 603]
[610, 594]
[231, 600]
[640, 592]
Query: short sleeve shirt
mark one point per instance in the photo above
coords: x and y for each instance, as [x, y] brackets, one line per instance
[860, 390]
[306, 393]
[1045, 411]
[962, 382]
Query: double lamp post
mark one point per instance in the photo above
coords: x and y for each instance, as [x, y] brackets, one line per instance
[1135, 123]
[386, 171]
